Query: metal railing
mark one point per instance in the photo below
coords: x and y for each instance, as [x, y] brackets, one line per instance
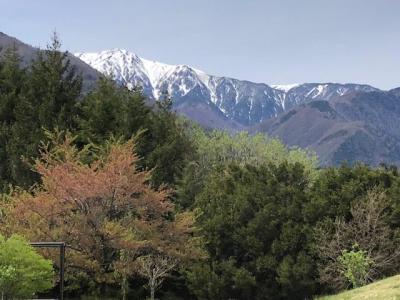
[61, 246]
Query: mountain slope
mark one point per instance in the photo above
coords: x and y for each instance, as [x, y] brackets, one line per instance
[386, 289]
[355, 127]
[28, 53]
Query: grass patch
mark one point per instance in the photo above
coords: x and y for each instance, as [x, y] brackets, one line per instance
[386, 289]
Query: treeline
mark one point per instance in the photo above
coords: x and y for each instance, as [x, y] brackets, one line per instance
[148, 202]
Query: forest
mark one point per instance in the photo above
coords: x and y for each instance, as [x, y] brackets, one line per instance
[151, 205]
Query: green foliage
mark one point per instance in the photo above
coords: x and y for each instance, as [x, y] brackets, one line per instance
[221, 280]
[11, 79]
[355, 264]
[23, 272]
[167, 144]
[341, 201]
[262, 218]
[43, 96]
[252, 217]
[219, 148]
[111, 110]
[53, 88]
[337, 188]
[367, 228]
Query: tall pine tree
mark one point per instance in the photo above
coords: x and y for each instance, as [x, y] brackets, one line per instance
[46, 100]
[12, 78]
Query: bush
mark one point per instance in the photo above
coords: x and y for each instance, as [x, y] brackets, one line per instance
[23, 272]
[356, 264]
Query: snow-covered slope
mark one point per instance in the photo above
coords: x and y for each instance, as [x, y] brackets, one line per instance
[244, 102]
[285, 87]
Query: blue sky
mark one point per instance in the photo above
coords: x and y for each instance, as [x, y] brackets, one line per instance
[277, 41]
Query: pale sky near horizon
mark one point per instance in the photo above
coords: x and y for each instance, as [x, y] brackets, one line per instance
[270, 41]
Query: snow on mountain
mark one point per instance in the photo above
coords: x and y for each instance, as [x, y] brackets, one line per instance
[132, 70]
[244, 102]
[156, 71]
[285, 87]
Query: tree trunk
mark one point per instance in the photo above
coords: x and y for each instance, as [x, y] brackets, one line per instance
[124, 287]
[152, 293]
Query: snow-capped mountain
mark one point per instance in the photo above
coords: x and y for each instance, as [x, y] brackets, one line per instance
[243, 102]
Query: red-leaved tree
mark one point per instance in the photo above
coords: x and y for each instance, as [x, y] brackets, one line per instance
[96, 201]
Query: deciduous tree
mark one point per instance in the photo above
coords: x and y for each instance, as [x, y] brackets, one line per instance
[155, 268]
[368, 229]
[98, 209]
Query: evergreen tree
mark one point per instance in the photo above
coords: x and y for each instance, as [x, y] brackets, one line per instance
[337, 188]
[54, 88]
[12, 80]
[48, 100]
[255, 234]
[110, 110]
[168, 145]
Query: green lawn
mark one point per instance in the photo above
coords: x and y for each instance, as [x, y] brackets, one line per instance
[386, 289]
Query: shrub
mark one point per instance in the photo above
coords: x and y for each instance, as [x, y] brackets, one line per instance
[23, 272]
[356, 264]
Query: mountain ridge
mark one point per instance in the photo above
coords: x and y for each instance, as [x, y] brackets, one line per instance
[244, 102]
[356, 127]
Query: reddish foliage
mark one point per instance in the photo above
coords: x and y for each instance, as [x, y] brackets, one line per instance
[98, 209]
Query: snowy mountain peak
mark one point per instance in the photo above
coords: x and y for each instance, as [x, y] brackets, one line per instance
[132, 70]
[116, 54]
[244, 102]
